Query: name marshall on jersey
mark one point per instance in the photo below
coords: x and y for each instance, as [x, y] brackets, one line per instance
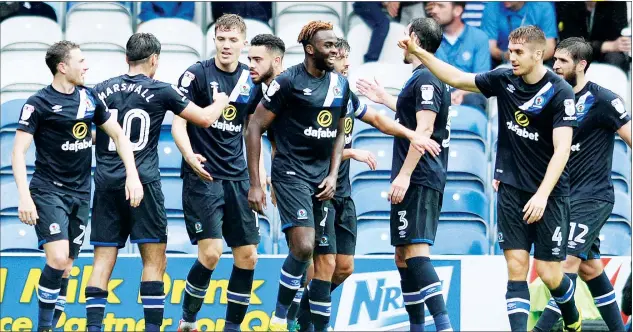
[139, 104]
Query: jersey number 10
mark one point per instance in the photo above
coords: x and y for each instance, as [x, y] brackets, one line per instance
[130, 116]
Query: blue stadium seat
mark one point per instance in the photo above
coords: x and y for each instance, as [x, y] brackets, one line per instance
[621, 170]
[465, 203]
[169, 157]
[177, 237]
[620, 145]
[265, 236]
[370, 197]
[9, 201]
[467, 167]
[6, 149]
[172, 190]
[621, 208]
[380, 146]
[10, 114]
[473, 239]
[468, 123]
[615, 239]
[16, 236]
[374, 238]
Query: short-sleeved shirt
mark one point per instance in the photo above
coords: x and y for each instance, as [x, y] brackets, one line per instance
[600, 114]
[424, 92]
[222, 143]
[469, 53]
[139, 104]
[499, 21]
[61, 128]
[528, 114]
[307, 110]
[355, 110]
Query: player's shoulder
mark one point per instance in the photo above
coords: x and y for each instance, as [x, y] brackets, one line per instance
[198, 68]
[109, 82]
[425, 77]
[601, 93]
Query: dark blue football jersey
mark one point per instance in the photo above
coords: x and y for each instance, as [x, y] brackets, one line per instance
[139, 104]
[307, 111]
[355, 110]
[61, 128]
[424, 92]
[600, 114]
[222, 143]
[528, 114]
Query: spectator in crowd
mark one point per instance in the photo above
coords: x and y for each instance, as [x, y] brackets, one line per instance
[166, 9]
[26, 8]
[371, 13]
[502, 17]
[601, 24]
[410, 10]
[261, 11]
[463, 46]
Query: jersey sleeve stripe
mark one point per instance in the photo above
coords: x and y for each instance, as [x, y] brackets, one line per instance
[360, 111]
[329, 98]
[81, 111]
[236, 89]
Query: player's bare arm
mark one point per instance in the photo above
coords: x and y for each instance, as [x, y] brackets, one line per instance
[445, 72]
[133, 186]
[258, 124]
[262, 168]
[376, 93]
[399, 186]
[205, 117]
[625, 133]
[535, 207]
[26, 208]
[181, 138]
[390, 127]
[329, 183]
[362, 156]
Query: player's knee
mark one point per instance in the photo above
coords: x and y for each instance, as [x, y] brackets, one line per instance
[550, 273]
[324, 266]
[245, 258]
[517, 266]
[590, 269]
[58, 260]
[571, 264]
[209, 257]
[155, 266]
[400, 257]
[302, 249]
[343, 270]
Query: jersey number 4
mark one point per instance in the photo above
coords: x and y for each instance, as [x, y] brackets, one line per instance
[128, 119]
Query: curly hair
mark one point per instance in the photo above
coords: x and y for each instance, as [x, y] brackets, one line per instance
[309, 30]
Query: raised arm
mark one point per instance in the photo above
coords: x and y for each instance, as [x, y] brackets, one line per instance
[205, 117]
[27, 212]
[133, 186]
[445, 72]
[258, 124]
[422, 143]
[376, 93]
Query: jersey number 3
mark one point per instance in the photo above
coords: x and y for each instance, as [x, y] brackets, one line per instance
[130, 116]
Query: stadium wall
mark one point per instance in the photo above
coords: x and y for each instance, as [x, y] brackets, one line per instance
[474, 289]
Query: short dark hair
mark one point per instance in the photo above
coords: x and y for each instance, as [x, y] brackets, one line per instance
[528, 34]
[140, 47]
[459, 4]
[271, 42]
[57, 53]
[578, 48]
[429, 32]
[227, 22]
[341, 43]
